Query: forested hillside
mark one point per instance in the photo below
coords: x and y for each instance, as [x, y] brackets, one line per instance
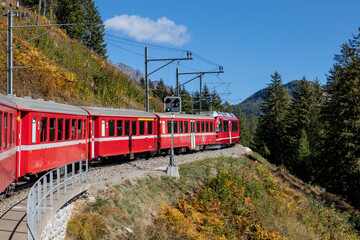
[62, 68]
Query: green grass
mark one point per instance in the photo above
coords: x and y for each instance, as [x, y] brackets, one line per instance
[278, 207]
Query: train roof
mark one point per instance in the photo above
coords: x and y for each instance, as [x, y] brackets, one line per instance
[5, 100]
[219, 114]
[117, 112]
[39, 105]
[189, 116]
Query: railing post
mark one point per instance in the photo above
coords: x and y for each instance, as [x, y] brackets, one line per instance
[33, 211]
[39, 202]
[58, 183]
[51, 189]
[73, 175]
[87, 171]
[80, 172]
[66, 181]
[45, 193]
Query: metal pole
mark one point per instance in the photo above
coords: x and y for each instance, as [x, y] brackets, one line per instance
[177, 83]
[172, 158]
[200, 94]
[192, 103]
[10, 54]
[146, 81]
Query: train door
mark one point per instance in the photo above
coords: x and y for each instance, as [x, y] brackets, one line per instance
[192, 134]
[230, 128]
[226, 130]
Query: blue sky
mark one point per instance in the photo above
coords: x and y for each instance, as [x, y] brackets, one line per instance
[251, 39]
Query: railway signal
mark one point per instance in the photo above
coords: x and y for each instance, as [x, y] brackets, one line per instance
[172, 104]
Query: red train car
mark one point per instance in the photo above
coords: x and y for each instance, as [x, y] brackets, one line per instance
[50, 135]
[8, 114]
[191, 132]
[227, 128]
[121, 132]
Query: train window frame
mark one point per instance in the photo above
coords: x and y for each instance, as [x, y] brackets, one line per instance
[60, 129]
[79, 128]
[103, 127]
[43, 129]
[67, 129]
[207, 126]
[234, 127]
[211, 127]
[1, 117]
[226, 125]
[73, 128]
[219, 126]
[10, 129]
[181, 126]
[168, 126]
[119, 127]
[150, 127]
[111, 128]
[13, 130]
[175, 126]
[198, 126]
[133, 127]
[202, 126]
[141, 127]
[52, 130]
[127, 128]
[84, 128]
[5, 130]
[186, 126]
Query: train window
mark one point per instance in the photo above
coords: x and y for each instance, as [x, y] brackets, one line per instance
[226, 125]
[219, 126]
[103, 128]
[134, 129]
[141, 127]
[181, 127]
[43, 129]
[84, 129]
[186, 126]
[150, 127]
[119, 126]
[207, 126]
[67, 129]
[169, 126]
[73, 128]
[234, 126]
[111, 128]
[0, 129]
[202, 127]
[33, 133]
[211, 127]
[198, 127]
[175, 126]
[52, 129]
[11, 128]
[60, 129]
[5, 129]
[79, 129]
[127, 127]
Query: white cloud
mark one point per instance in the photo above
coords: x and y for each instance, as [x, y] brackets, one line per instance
[162, 30]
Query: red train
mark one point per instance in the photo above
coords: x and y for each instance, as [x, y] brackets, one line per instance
[38, 135]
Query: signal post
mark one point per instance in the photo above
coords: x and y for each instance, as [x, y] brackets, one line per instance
[173, 105]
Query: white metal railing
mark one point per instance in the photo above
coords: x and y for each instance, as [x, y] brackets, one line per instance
[41, 194]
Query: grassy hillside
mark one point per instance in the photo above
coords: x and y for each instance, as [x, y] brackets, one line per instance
[252, 104]
[65, 70]
[222, 198]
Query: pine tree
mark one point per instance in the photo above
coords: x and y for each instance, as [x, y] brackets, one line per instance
[244, 130]
[161, 90]
[341, 114]
[271, 133]
[185, 100]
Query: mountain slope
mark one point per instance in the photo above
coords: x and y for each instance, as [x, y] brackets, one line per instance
[252, 104]
[64, 70]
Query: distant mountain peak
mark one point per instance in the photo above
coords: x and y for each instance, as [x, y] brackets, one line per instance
[136, 75]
